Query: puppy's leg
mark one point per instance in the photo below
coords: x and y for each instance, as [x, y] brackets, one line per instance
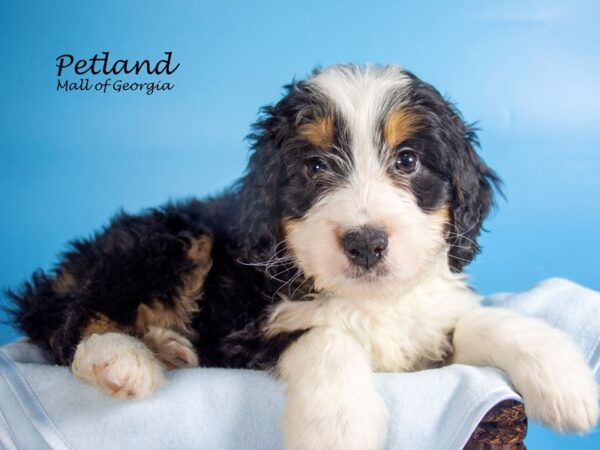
[125, 367]
[544, 364]
[142, 274]
[330, 399]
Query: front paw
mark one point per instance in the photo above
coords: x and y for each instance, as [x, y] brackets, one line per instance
[119, 365]
[562, 396]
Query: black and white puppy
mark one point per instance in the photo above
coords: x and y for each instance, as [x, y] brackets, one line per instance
[338, 254]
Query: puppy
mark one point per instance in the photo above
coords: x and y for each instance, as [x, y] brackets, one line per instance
[338, 254]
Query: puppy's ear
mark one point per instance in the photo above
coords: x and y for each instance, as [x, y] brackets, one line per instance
[473, 184]
[472, 181]
[258, 189]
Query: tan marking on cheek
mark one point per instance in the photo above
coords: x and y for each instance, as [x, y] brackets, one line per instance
[443, 213]
[399, 126]
[287, 227]
[444, 222]
[101, 324]
[318, 132]
[293, 244]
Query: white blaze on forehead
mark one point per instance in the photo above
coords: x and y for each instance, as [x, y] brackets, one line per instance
[362, 95]
[362, 92]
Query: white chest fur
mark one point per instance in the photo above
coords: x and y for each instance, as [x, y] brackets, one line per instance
[400, 333]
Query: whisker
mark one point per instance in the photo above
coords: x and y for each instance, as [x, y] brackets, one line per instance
[288, 283]
[459, 258]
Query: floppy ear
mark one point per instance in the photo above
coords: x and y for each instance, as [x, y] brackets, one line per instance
[258, 189]
[473, 184]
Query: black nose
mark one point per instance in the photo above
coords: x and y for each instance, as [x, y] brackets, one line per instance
[365, 246]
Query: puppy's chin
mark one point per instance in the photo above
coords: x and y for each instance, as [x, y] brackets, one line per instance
[374, 275]
[365, 287]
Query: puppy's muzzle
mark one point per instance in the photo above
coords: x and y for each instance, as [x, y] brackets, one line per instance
[365, 247]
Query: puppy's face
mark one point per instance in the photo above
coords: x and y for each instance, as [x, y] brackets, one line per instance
[371, 175]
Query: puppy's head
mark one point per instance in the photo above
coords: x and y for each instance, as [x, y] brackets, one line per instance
[366, 175]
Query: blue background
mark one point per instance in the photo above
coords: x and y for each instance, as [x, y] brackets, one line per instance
[528, 71]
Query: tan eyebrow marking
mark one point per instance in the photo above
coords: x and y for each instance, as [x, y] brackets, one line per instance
[399, 126]
[319, 132]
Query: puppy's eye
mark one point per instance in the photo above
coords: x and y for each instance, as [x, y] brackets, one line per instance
[316, 166]
[406, 160]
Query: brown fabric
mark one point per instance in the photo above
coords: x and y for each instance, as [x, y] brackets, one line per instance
[503, 428]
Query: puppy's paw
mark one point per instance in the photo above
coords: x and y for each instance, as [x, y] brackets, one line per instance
[560, 391]
[120, 365]
[171, 348]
